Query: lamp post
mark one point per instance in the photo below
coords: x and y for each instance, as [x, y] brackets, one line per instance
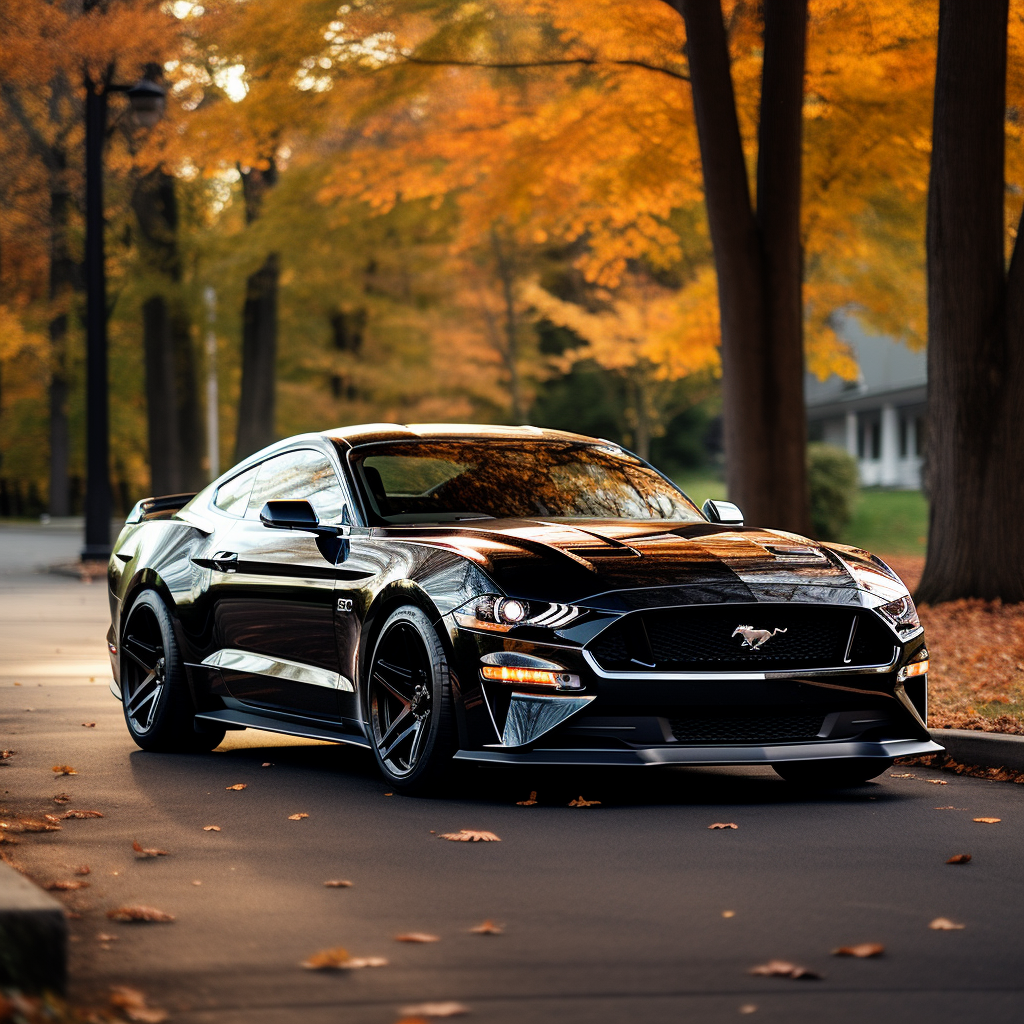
[147, 98]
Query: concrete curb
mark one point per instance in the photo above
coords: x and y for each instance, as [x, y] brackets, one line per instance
[985, 749]
[33, 936]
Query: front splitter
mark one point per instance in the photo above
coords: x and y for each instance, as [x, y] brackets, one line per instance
[710, 756]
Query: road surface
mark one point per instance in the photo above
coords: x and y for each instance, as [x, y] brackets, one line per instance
[630, 910]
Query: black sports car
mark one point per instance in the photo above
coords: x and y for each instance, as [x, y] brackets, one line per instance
[505, 594]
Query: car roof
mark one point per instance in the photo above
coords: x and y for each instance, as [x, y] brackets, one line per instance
[367, 433]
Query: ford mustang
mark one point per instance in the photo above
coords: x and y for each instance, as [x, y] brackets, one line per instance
[443, 593]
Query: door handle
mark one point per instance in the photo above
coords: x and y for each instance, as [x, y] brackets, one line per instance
[225, 561]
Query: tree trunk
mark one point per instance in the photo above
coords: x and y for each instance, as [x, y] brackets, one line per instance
[259, 356]
[975, 321]
[161, 401]
[259, 331]
[62, 279]
[175, 424]
[757, 259]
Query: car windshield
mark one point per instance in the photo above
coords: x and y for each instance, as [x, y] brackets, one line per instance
[444, 481]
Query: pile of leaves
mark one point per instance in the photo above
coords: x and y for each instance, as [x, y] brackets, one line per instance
[976, 672]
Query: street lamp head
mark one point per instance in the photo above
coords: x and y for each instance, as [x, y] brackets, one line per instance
[148, 99]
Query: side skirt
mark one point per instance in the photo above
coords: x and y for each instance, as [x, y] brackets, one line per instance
[242, 719]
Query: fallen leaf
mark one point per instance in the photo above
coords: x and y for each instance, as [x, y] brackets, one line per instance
[63, 769]
[62, 798]
[949, 808]
[82, 814]
[142, 852]
[83, 869]
[988, 821]
[104, 937]
[88, 725]
[197, 882]
[938, 782]
[905, 775]
[783, 969]
[417, 937]
[337, 883]
[862, 950]
[211, 828]
[943, 924]
[6, 837]
[236, 786]
[530, 802]
[580, 802]
[297, 817]
[389, 794]
[138, 914]
[267, 764]
[748, 1008]
[959, 858]
[65, 886]
[728, 913]
[52, 817]
[487, 928]
[451, 1009]
[337, 959]
[133, 1003]
[468, 835]
[723, 824]
[31, 825]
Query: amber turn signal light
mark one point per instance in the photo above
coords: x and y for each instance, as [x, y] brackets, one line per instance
[507, 674]
[917, 668]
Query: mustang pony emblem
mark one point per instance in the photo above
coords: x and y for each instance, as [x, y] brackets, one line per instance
[754, 638]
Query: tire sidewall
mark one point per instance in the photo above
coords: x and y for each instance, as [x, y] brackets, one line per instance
[437, 752]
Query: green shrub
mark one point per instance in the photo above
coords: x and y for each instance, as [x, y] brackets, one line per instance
[832, 478]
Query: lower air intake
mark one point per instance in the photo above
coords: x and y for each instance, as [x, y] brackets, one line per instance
[747, 728]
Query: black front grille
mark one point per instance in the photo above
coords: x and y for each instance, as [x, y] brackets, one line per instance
[706, 638]
[765, 728]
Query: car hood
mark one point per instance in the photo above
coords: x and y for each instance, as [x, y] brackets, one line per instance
[574, 561]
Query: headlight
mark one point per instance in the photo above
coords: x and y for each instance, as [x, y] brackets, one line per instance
[901, 613]
[500, 614]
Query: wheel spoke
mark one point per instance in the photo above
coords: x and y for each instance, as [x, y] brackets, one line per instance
[143, 648]
[417, 741]
[405, 698]
[385, 754]
[393, 728]
[136, 699]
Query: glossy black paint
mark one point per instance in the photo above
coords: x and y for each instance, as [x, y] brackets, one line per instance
[239, 584]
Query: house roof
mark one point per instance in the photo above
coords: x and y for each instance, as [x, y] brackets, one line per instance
[886, 366]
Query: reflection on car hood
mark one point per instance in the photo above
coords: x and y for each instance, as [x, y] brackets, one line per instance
[561, 560]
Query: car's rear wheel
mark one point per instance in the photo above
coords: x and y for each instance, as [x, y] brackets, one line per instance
[839, 773]
[408, 690]
[158, 707]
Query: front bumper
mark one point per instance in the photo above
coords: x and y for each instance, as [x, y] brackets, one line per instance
[711, 756]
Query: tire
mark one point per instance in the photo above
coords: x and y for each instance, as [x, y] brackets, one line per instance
[833, 774]
[409, 703]
[158, 706]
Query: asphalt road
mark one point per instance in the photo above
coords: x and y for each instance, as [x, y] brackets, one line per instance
[613, 912]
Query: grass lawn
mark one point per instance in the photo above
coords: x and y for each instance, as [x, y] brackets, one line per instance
[886, 522]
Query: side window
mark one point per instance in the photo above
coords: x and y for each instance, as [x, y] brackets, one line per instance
[302, 474]
[233, 495]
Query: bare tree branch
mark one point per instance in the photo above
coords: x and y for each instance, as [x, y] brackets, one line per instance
[514, 65]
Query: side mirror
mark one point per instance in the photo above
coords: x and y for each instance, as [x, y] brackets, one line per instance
[724, 512]
[289, 515]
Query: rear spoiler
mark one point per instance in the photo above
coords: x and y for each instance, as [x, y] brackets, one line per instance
[158, 508]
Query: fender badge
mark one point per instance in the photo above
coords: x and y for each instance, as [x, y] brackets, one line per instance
[344, 604]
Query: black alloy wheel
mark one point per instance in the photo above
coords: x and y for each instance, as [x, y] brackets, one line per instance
[158, 707]
[838, 773]
[409, 702]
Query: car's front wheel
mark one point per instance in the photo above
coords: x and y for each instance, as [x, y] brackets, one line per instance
[408, 688]
[158, 707]
[839, 773]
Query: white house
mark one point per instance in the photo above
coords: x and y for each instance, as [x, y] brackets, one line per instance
[880, 417]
